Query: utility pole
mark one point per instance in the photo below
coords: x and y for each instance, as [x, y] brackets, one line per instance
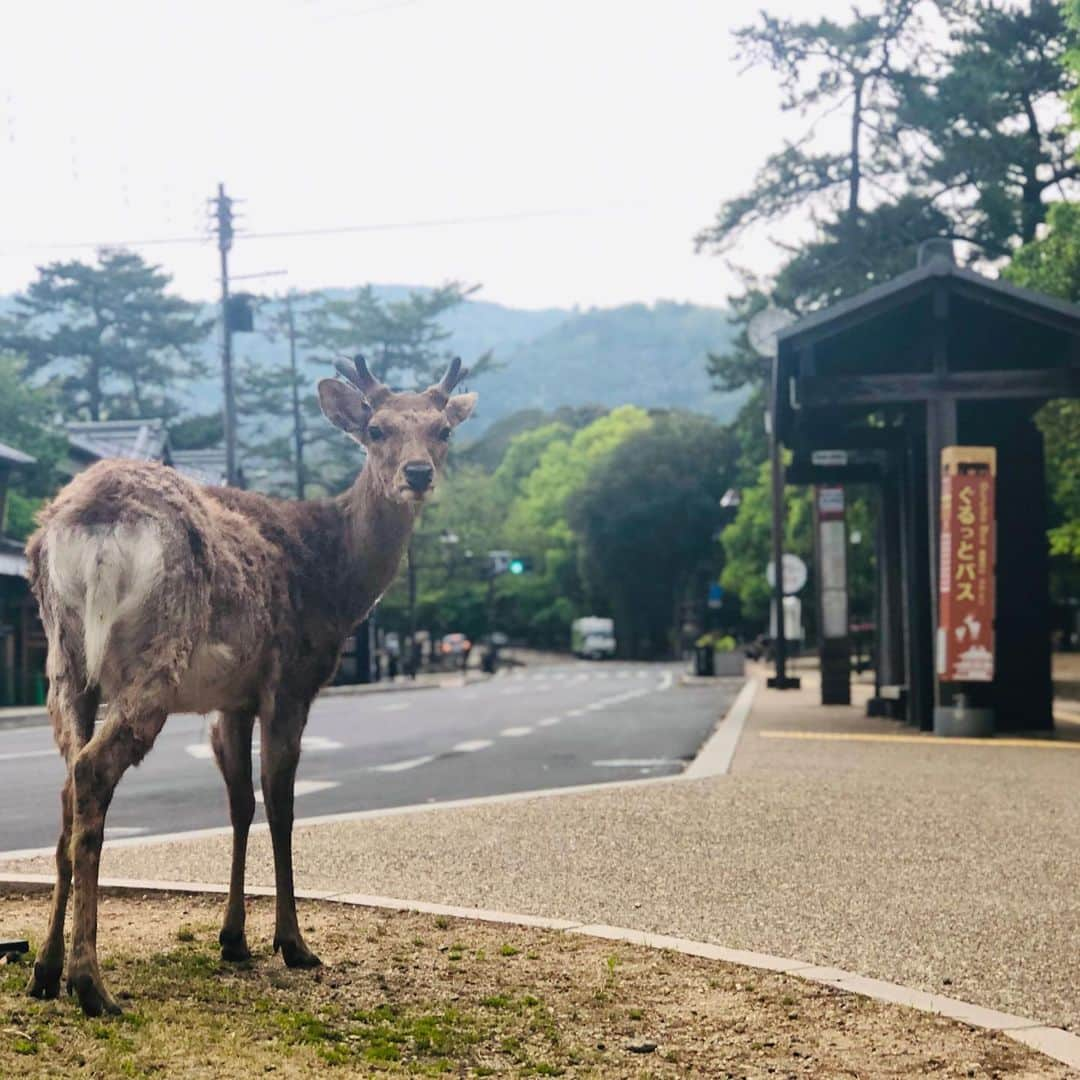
[298, 430]
[224, 213]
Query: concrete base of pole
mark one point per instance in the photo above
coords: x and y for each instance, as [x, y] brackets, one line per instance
[962, 721]
[784, 682]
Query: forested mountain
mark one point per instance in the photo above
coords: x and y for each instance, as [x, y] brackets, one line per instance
[647, 355]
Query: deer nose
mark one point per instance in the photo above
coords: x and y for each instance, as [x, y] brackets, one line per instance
[419, 477]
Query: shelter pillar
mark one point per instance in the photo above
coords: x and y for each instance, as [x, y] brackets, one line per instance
[1022, 690]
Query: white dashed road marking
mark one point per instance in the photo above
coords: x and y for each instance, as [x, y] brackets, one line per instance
[53, 752]
[515, 732]
[395, 706]
[401, 766]
[472, 744]
[309, 744]
[550, 721]
[302, 787]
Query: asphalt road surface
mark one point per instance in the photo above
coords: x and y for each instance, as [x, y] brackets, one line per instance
[572, 723]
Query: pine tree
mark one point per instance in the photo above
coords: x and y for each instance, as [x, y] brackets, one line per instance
[110, 336]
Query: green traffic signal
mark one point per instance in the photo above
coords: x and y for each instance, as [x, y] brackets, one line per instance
[517, 566]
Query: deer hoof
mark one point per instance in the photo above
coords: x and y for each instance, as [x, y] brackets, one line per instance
[296, 954]
[93, 998]
[45, 982]
[234, 948]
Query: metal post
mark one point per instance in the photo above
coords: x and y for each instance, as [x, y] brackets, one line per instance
[223, 205]
[781, 681]
[298, 429]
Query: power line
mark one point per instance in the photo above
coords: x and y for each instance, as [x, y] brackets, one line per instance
[332, 230]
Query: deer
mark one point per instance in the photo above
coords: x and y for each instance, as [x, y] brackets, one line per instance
[159, 595]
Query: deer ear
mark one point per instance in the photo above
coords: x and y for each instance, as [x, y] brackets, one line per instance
[460, 408]
[343, 405]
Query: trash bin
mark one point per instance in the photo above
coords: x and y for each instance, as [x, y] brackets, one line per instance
[704, 661]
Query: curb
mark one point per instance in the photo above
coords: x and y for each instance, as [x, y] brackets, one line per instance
[1053, 1042]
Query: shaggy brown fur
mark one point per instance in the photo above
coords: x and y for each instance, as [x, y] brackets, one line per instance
[159, 596]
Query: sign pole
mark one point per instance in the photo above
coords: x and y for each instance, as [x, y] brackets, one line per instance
[830, 530]
[781, 680]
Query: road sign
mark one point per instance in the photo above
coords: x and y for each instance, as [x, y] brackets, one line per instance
[716, 596]
[794, 574]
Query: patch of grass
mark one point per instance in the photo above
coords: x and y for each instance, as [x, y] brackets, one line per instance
[185, 934]
[543, 1069]
[635, 1014]
[508, 950]
[442, 922]
[496, 1001]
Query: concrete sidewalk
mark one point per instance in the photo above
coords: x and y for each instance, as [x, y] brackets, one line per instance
[941, 865]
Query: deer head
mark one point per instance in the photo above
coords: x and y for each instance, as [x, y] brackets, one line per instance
[406, 435]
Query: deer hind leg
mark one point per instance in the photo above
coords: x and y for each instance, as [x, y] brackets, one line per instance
[123, 740]
[231, 739]
[281, 725]
[73, 713]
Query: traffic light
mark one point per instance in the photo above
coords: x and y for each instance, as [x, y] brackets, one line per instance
[520, 565]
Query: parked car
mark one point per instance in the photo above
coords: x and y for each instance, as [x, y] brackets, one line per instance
[454, 650]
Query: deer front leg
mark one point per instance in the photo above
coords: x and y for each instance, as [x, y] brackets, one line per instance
[122, 741]
[280, 755]
[73, 722]
[231, 739]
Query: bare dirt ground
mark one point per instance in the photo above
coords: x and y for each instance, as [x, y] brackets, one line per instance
[405, 995]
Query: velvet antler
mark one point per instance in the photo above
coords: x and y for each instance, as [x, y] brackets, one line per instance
[442, 390]
[356, 371]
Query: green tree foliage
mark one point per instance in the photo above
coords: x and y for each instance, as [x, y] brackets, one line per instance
[537, 523]
[747, 543]
[963, 138]
[1051, 264]
[109, 335]
[25, 413]
[646, 515]
[404, 341]
[996, 142]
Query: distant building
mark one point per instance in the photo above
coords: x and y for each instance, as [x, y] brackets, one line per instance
[22, 642]
[22, 639]
[139, 440]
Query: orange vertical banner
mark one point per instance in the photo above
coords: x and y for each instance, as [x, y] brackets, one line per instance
[965, 642]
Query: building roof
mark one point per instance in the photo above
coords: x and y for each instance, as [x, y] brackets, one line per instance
[141, 440]
[10, 456]
[993, 291]
[887, 331]
[206, 466]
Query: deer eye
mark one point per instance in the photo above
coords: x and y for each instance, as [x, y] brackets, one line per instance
[445, 434]
[376, 433]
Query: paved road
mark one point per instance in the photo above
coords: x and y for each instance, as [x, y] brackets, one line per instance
[573, 723]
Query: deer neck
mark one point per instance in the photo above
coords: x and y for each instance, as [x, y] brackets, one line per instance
[377, 533]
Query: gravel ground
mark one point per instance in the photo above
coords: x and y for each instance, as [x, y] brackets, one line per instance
[946, 867]
[405, 995]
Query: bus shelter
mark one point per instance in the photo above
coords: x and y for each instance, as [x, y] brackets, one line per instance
[926, 387]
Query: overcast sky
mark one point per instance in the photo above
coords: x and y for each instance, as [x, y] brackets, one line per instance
[598, 135]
